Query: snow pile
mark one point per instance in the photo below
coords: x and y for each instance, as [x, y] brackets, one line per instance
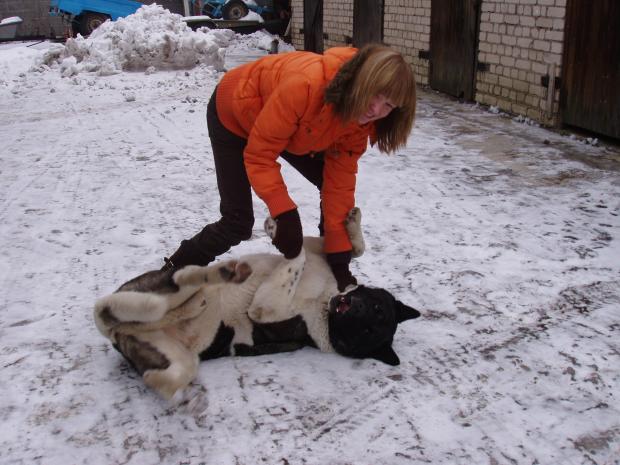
[11, 20]
[525, 120]
[150, 38]
[253, 16]
[17, 59]
[259, 40]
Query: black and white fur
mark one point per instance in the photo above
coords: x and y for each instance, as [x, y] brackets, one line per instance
[164, 323]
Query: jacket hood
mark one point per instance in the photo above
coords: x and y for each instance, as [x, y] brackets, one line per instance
[334, 58]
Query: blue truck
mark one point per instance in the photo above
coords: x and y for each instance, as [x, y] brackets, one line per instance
[86, 15]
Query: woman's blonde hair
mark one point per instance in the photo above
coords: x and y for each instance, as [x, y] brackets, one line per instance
[376, 69]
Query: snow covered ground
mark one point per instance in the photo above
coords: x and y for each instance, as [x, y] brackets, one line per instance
[504, 236]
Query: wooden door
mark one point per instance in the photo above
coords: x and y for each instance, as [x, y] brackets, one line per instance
[367, 22]
[454, 43]
[313, 25]
[590, 89]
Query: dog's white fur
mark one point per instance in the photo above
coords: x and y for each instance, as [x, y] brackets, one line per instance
[183, 324]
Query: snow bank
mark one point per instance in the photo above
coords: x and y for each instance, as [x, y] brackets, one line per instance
[253, 16]
[151, 38]
[259, 40]
[11, 20]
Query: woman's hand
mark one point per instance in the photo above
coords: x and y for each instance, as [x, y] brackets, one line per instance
[339, 264]
[288, 239]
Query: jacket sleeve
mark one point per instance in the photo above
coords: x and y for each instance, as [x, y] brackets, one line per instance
[338, 191]
[274, 126]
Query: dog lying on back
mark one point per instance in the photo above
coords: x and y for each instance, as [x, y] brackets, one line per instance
[165, 322]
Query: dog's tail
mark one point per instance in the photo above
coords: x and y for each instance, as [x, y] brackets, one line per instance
[130, 311]
[153, 310]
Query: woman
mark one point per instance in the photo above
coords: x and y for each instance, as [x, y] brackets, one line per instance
[317, 113]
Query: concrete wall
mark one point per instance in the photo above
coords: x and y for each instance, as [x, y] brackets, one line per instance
[521, 41]
[38, 22]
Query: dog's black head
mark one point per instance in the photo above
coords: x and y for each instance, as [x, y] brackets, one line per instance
[362, 323]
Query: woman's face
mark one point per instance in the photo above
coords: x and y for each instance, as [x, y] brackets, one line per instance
[379, 107]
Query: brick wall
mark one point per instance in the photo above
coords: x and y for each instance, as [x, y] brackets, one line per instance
[297, 16]
[38, 22]
[337, 23]
[521, 40]
[407, 28]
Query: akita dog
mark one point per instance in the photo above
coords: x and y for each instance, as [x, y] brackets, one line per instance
[165, 322]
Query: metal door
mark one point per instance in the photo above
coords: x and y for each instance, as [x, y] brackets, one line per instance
[367, 22]
[454, 43]
[313, 25]
[590, 89]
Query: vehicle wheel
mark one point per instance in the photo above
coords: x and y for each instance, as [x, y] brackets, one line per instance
[91, 21]
[234, 9]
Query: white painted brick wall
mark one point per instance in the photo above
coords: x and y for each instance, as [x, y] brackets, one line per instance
[407, 28]
[520, 40]
[338, 22]
[297, 10]
[520, 56]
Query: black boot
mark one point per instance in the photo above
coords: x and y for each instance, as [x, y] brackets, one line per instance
[186, 254]
[168, 265]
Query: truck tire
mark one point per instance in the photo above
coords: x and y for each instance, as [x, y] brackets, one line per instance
[234, 9]
[91, 21]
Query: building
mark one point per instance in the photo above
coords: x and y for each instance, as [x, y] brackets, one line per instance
[556, 62]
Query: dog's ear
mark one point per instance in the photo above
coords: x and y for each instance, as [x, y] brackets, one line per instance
[386, 354]
[405, 312]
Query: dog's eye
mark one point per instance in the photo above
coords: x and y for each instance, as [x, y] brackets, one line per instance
[376, 307]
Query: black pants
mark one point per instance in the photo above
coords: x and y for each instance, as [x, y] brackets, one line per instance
[235, 191]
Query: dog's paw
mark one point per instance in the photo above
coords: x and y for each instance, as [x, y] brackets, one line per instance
[160, 382]
[270, 227]
[128, 306]
[354, 218]
[230, 271]
[235, 272]
[195, 276]
[243, 271]
[353, 225]
[192, 400]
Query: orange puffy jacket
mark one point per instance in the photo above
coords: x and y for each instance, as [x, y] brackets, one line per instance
[277, 104]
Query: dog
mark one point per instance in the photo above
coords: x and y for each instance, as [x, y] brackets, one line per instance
[165, 322]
